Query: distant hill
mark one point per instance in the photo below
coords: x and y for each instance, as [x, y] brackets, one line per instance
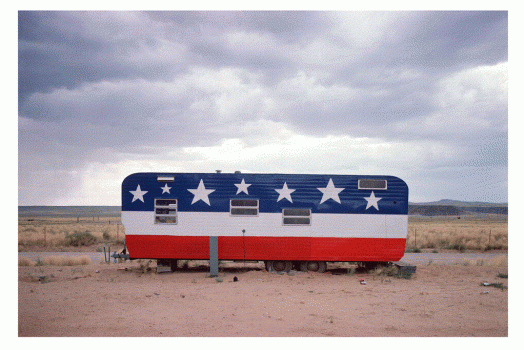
[69, 211]
[457, 208]
[462, 204]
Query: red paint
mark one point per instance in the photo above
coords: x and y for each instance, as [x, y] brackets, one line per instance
[267, 248]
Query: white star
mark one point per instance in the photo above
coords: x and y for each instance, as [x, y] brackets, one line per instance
[372, 201]
[201, 193]
[242, 187]
[285, 193]
[165, 189]
[330, 192]
[138, 194]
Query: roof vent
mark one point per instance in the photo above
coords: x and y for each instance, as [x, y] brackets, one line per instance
[238, 172]
[218, 171]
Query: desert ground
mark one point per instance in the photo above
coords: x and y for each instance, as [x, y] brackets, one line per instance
[444, 298]
[130, 300]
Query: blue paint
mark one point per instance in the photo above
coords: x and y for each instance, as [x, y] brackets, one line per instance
[394, 200]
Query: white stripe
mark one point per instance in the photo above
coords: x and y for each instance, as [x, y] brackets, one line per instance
[268, 224]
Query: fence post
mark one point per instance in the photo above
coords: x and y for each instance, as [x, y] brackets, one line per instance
[415, 237]
[45, 236]
[489, 238]
[117, 229]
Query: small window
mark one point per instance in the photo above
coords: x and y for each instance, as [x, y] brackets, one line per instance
[372, 184]
[244, 207]
[166, 211]
[165, 178]
[296, 217]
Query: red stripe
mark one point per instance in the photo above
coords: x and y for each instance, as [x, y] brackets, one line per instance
[267, 248]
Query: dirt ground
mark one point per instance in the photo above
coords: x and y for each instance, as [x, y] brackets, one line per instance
[123, 300]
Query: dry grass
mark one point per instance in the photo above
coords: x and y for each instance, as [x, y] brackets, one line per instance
[66, 260]
[459, 234]
[55, 233]
[56, 261]
[499, 261]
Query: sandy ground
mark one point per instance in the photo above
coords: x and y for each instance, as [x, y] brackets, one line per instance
[121, 300]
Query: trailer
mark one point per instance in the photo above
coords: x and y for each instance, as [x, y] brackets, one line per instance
[281, 219]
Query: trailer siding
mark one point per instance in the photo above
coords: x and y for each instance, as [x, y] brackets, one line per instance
[346, 224]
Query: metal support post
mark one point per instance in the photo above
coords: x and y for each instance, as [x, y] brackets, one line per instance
[213, 256]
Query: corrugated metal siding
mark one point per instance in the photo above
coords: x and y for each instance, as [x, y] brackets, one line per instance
[350, 230]
[267, 248]
[394, 200]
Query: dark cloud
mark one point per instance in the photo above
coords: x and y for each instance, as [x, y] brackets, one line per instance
[107, 86]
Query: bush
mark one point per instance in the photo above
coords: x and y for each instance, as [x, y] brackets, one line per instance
[413, 250]
[391, 271]
[459, 247]
[80, 238]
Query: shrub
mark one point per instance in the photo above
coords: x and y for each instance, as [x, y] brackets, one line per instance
[459, 247]
[106, 235]
[80, 238]
[391, 271]
[413, 250]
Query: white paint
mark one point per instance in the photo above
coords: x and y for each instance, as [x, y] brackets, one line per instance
[396, 226]
[138, 194]
[166, 189]
[201, 193]
[372, 201]
[242, 187]
[330, 192]
[268, 224]
[284, 193]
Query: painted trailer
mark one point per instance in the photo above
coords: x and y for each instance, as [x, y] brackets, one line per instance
[280, 219]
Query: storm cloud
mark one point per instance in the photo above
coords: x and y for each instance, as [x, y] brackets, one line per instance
[421, 95]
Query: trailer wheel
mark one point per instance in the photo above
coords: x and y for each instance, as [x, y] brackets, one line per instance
[313, 266]
[279, 266]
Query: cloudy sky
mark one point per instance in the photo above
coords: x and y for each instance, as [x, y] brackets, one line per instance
[420, 95]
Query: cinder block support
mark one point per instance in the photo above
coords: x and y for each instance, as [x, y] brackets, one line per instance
[213, 256]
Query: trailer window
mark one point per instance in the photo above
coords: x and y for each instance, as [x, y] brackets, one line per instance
[165, 178]
[294, 217]
[372, 184]
[243, 207]
[166, 211]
